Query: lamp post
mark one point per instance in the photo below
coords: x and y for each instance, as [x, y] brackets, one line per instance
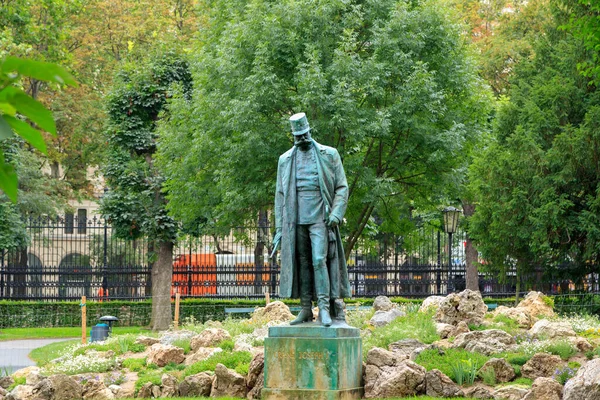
[451, 215]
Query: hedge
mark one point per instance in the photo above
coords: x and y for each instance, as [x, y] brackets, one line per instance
[37, 314]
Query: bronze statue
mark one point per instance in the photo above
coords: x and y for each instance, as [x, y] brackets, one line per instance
[310, 202]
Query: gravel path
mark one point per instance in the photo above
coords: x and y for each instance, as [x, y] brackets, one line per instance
[14, 354]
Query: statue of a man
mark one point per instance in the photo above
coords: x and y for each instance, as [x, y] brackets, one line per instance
[310, 202]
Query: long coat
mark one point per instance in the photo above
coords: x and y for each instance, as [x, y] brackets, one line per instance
[334, 190]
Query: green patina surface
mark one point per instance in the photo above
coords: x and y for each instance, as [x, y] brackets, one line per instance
[311, 361]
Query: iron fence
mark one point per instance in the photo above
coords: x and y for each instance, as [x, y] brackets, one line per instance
[68, 257]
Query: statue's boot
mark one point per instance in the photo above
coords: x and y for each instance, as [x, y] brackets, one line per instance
[322, 289]
[306, 314]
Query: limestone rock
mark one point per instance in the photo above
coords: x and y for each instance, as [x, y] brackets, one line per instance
[552, 329]
[58, 387]
[274, 311]
[541, 365]
[198, 385]
[521, 315]
[462, 327]
[545, 389]
[467, 306]
[383, 303]
[439, 385]
[170, 388]
[170, 337]
[408, 347]
[3, 392]
[444, 330]
[256, 392]
[536, 306]
[502, 369]
[97, 390]
[431, 303]
[228, 383]
[382, 318]
[201, 354]
[162, 354]
[585, 385]
[510, 393]
[391, 375]
[478, 392]
[21, 392]
[23, 372]
[148, 390]
[6, 381]
[116, 390]
[486, 342]
[580, 343]
[34, 377]
[209, 338]
[147, 340]
[255, 370]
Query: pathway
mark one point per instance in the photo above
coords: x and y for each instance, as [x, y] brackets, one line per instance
[14, 354]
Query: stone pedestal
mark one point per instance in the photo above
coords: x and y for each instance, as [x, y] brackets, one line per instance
[309, 361]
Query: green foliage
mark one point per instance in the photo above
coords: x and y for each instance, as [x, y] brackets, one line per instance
[134, 364]
[239, 361]
[517, 358]
[184, 343]
[446, 360]
[520, 382]
[415, 325]
[562, 375]
[488, 376]
[465, 371]
[561, 348]
[146, 376]
[173, 367]
[227, 345]
[20, 380]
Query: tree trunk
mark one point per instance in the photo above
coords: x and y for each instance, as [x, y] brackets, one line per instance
[162, 275]
[471, 255]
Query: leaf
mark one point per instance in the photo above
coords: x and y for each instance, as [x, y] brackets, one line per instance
[8, 179]
[23, 129]
[32, 109]
[40, 70]
[6, 108]
[5, 131]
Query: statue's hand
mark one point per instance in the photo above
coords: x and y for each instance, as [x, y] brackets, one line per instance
[332, 221]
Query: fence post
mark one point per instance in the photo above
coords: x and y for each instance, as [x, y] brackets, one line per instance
[176, 322]
[83, 320]
[439, 262]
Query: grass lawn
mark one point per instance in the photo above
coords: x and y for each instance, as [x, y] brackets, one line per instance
[52, 333]
[42, 355]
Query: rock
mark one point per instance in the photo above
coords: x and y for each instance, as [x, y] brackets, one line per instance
[478, 392]
[198, 385]
[486, 342]
[502, 369]
[3, 392]
[467, 306]
[382, 318]
[552, 329]
[146, 390]
[228, 383]
[147, 340]
[97, 390]
[162, 354]
[274, 311]
[585, 385]
[202, 354]
[545, 389]
[6, 381]
[256, 368]
[170, 337]
[439, 385]
[444, 330]
[391, 375]
[536, 306]
[462, 327]
[209, 338]
[170, 388]
[521, 315]
[580, 343]
[431, 303]
[34, 377]
[541, 365]
[510, 393]
[383, 303]
[23, 372]
[58, 387]
[115, 389]
[21, 392]
[256, 392]
[408, 347]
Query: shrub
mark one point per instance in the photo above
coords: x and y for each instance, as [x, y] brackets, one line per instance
[134, 364]
[227, 345]
[173, 367]
[517, 358]
[239, 361]
[184, 343]
[561, 348]
[21, 380]
[506, 324]
[445, 360]
[488, 375]
[465, 371]
[562, 375]
[148, 376]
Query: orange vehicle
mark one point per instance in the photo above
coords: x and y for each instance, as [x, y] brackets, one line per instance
[195, 274]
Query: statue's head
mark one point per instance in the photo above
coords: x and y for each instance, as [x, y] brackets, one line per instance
[301, 131]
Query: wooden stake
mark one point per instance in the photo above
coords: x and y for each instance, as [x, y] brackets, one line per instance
[176, 323]
[267, 298]
[83, 321]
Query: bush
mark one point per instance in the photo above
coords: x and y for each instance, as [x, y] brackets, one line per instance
[517, 358]
[561, 348]
[227, 345]
[562, 375]
[239, 361]
[488, 375]
[446, 359]
[465, 371]
[18, 381]
[134, 364]
[148, 376]
[184, 343]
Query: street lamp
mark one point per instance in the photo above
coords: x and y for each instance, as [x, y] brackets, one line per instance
[451, 215]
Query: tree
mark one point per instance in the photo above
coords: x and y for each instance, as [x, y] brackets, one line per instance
[536, 184]
[390, 84]
[135, 203]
